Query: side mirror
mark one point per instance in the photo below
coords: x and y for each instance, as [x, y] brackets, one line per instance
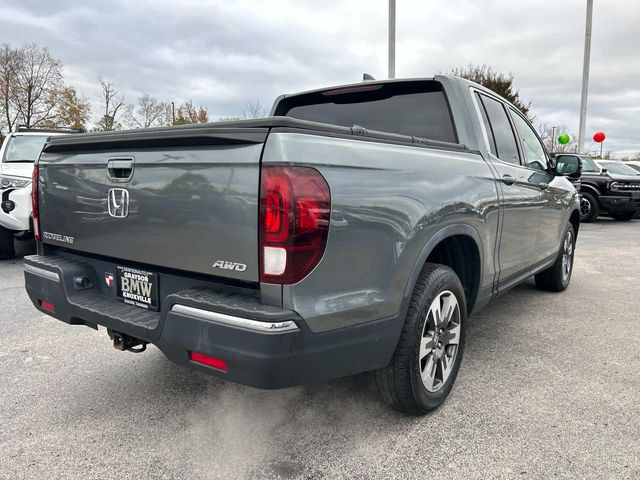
[569, 166]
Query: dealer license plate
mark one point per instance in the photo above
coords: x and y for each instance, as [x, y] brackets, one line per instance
[138, 287]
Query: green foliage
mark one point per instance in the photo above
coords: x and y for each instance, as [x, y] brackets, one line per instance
[187, 113]
[106, 124]
[500, 83]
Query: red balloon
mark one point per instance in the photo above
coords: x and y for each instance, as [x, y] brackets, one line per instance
[599, 137]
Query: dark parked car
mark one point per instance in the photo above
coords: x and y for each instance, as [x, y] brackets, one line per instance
[606, 187]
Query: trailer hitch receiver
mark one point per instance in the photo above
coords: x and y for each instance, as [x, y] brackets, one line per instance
[124, 342]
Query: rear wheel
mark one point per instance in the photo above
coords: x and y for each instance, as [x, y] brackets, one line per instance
[7, 249]
[427, 358]
[623, 217]
[589, 207]
[557, 277]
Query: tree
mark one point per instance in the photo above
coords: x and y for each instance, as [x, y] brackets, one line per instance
[149, 112]
[500, 83]
[72, 111]
[546, 132]
[38, 84]
[607, 155]
[187, 113]
[254, 109]
[106, 124]
[32, 91]
[113, 103]
[10, 62]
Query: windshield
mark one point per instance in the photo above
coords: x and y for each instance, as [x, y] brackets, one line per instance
[618, 168]
[24, 148]
[589, 165]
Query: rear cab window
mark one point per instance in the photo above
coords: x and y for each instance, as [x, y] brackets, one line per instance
[416, 108]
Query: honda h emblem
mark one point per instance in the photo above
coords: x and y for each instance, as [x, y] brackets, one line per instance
[118, 200]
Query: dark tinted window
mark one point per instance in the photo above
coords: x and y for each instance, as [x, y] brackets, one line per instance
[505, 140]
[487, 127]
[418, 109]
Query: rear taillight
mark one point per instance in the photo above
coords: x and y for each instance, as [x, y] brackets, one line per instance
[48, 306]
[295, 209]
[34, 201]
[212, 362]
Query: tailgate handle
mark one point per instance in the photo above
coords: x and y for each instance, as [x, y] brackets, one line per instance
[120, 169]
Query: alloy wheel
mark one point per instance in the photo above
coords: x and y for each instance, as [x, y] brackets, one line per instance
[585, 207]
[439, 342]
[567, 256]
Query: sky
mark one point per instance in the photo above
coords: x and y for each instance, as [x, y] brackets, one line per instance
[224, 54]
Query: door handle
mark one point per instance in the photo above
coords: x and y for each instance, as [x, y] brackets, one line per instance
[508, 179]
[120, 169]
[543, 186]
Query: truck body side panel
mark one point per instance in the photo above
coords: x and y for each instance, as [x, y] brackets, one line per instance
[387, 202]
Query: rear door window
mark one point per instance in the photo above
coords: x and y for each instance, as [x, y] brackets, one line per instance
[487, 126]
[504, 138]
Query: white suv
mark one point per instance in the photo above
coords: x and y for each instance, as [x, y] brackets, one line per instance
[18, 153]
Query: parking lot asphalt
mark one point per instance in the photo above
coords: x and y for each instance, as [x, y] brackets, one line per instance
[549, 388]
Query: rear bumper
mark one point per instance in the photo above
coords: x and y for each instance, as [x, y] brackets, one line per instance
[262, 346]
[619, 204]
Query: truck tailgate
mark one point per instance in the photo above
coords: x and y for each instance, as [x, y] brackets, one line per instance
[192, 204]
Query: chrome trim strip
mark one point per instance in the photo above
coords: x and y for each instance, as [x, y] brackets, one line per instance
[41, 272]
[238, 322]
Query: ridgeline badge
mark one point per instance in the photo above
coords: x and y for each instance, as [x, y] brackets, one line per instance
[58, 238]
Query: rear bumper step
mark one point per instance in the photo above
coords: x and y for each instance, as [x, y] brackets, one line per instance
[237, 322]
[260, 345]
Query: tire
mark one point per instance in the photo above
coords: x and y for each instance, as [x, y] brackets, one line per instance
[422, 346]
[7, 249]
[624, 217]
[557, 277]
[589, 207]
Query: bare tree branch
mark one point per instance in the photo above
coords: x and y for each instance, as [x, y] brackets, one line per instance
[112, 102]
[254, 109]
[149, 112]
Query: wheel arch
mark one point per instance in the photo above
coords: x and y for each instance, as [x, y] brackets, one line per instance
[574, 219]
[585, 187]
[459, 247]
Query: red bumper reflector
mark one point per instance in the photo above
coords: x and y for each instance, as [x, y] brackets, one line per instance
[217, 363]
[48, 306]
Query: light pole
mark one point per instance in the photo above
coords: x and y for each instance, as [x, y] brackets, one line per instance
[173, 113]
[553, 138]
[585, 74]
[392, 38]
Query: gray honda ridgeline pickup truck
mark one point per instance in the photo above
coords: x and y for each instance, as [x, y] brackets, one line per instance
[355, 229]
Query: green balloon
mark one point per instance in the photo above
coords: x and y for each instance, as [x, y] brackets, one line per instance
[564, 139]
